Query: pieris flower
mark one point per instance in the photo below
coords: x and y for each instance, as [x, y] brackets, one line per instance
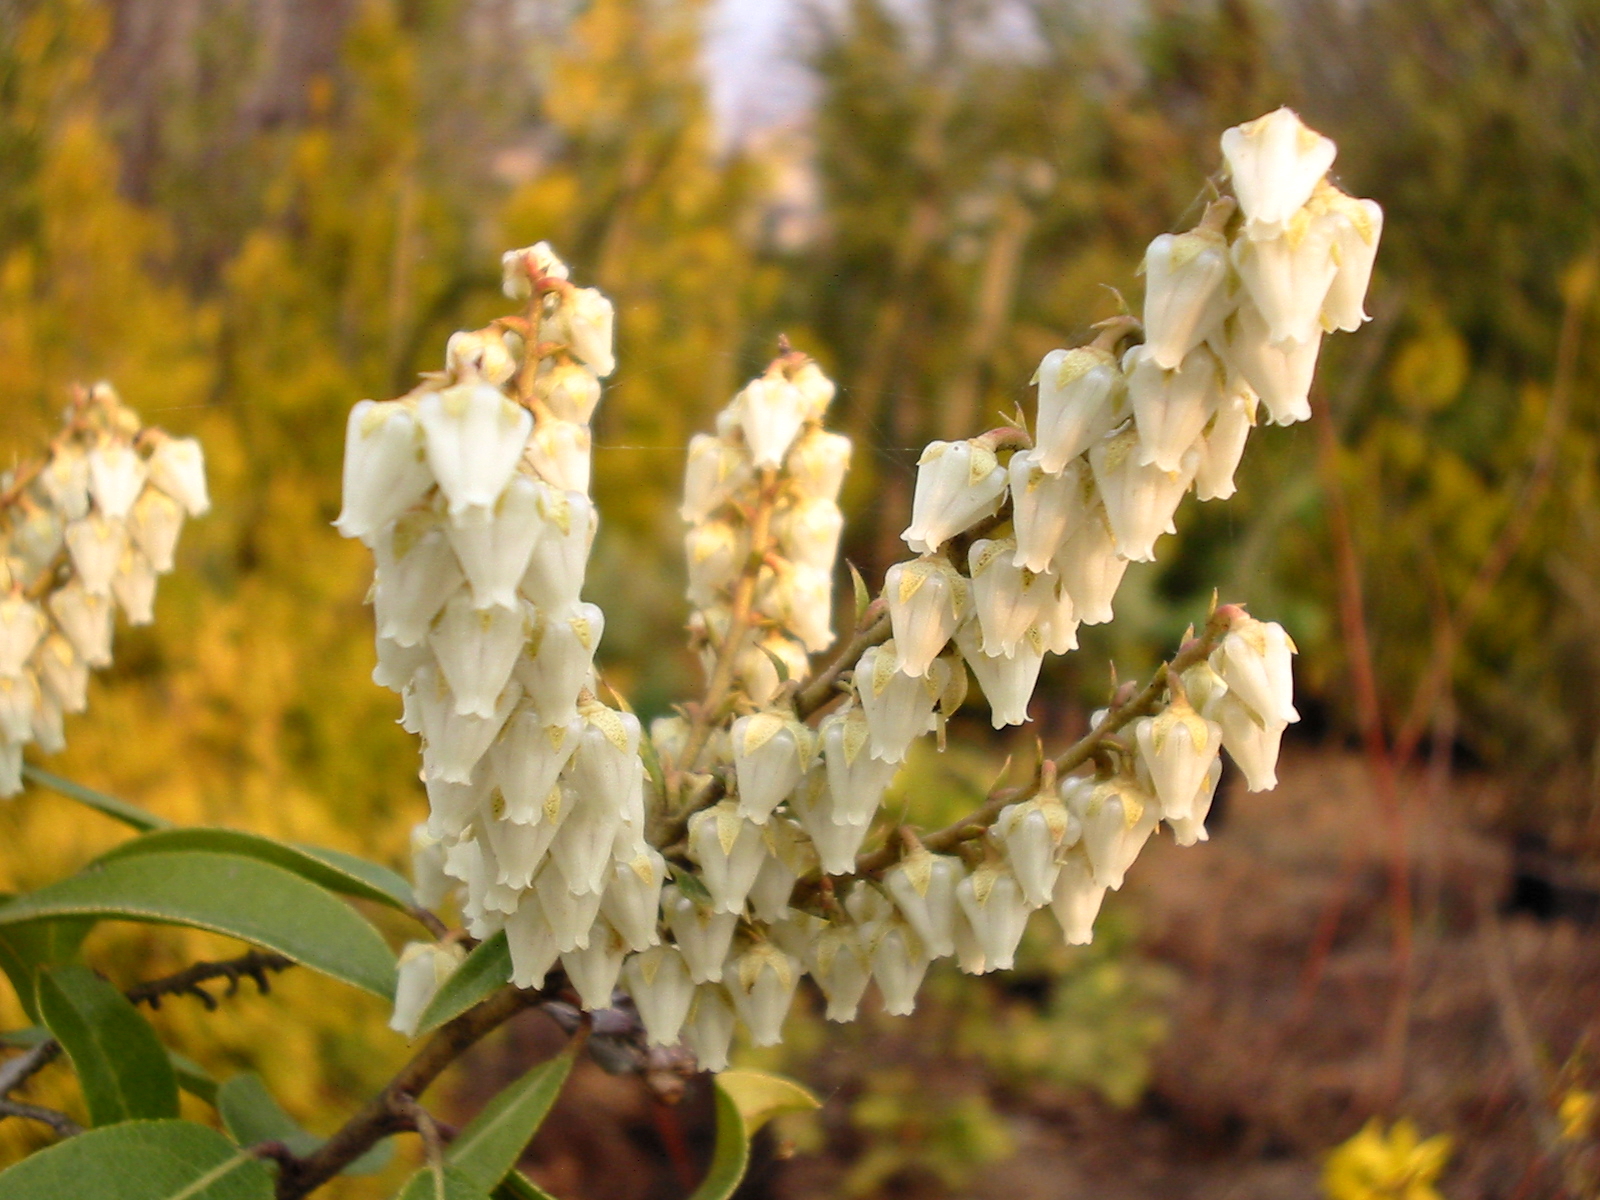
[178, 467]
[658, 980]
[1250, 740]
[842, 969]
[569, 390]
[1007, 600]
[837, 840]
[453, 741]
[476, 649]
[1090, 568]
[762, 984]
[771, 752]
[716, 552]
[1082, 396]
[385, 466]
[632, 898]
[1280, 375]
[154, 524]
[584, 321]
[570, 913]
[715, 471]
[702, 935]
[899, 962]
[1223, 444]
[1117, 819]
[856, 779]
[65, 482]
[22, 627]
[958, 483]
[1356, 225]
[417, 572]
[515, 281]
[1139, 499]
[559, 658]
[816, 387]
[1076, 900]
[422, 968]
[593, 970]
[1253, 659]
[709, 1029]
[923, 887]
[1177, 746]
[729, 849]
[1007, 680]
[898, 707]
[1186, 831]
[1288, 277]
[560, 554]
[1171, 408]
[527, 759]
[1275, 162]
[533, 946]
[63, 673]
[817, 463]
[771, 411]
[1044, 507]
[927, 598]
[116, 477]
[96, 544]
[1032, 832]
[808, 533]
[473, 437]
[86, 621]
[996, 911]
[559, 454]
[134, 587]
[493, 546]
[1185, 292]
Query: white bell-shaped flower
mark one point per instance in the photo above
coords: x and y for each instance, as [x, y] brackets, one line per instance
[790, 855]
[817, 464]
[452, 806]
[571, 914]
[385, 466]
[658, 980]
[1253, 659]
[1280, 375]
[65, 482]
[569, 390]
[397, 663]
[996, 911]
[1177, 746]
[515, 265]
[533, 945]
[49, 729]
[708, 1031]
[19, 701]
[453, 741]
[35, 535]
[1288, 277]
[716, 470]
[62, 673]
[1033, 832]
[493, 546]
[560, 556]
[1139, 500]
[800, 598]
[1250, 740]
[1058, 623]
[417, 573]
[96, 545]
[729, 850]
[520, 849]
[473, 437]
[899, 962]
[1356, 226]
[1090, 568]
[559, 452]
[1171, 408]
[716, 552]
[1077, 898]
[429, 883]
[771, 752]
[477, 648]
[527, 759]
[1082, 397]
[1117, 817]
[808, 533]
[178, 467]
[154, 524]
[1007, 680]
[1186, 831]
[116, 477]
[816, 387]
[1275, 162]
[1223, 444]
[1185, 295]
[1045, 507]
[422, 968]
[898, 707]
[958, 483]
[842, 968]
[927, 598]
[756, 673]
[479, 354]
[1007, 600]
[134, 587]
[22, 627]
[702, 934]
[771, 411]
[856, 780]
[632, 898]
[923, 887]
[837, 841]
[559, 659]
[762, 983]
[585, 322]
[593, 970]
[86, 620]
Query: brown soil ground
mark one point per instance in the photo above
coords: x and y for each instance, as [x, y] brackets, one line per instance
[1276, 1052]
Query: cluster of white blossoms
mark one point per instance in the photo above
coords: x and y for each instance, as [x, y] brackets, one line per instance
[769, 787]
[83, 532]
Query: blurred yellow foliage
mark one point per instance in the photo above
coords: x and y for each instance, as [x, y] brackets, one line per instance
[1394, 1165]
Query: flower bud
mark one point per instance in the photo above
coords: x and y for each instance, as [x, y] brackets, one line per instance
[817, 389]
[958, 483]
[1185, 294]
[998, 913]
[585, 322]
[658, 980]
[423, 966]
[479, 356]
[1275, 162]
[515, 280]
[1082, 396]
[771, 411]
[429, 883]
[770, 754]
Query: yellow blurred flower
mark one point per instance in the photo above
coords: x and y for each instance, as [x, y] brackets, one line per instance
[1397, 1165]
[1576, 1114]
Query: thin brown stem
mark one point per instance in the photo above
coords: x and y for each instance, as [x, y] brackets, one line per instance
[256, 965]
[821, 688]
[63, 1125]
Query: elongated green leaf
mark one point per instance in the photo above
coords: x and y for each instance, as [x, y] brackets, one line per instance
[746, 1100]
[450, 1184]
[342, 873]
[140, 1160]
[252, 1116]
[120, 1062]
[493, 1140]
[226, 893]
[26, 949]
[487, 968]
[118, 810]
[517, 1186]
[192, 1078]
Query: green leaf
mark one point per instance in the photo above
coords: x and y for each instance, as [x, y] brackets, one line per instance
[689, 884]
[494, 1140]
[118, 810]
[119, 1061]
[517, 1186]
[226, 893]
[863, 596]
[482, 972]
[252, 1116]
[140, 1160]
[25, 949]
[746, 1100]
[449, 1184]
[336, 871]
[192, 1078]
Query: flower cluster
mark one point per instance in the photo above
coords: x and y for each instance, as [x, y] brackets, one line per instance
[83, 532]
[761, 798]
